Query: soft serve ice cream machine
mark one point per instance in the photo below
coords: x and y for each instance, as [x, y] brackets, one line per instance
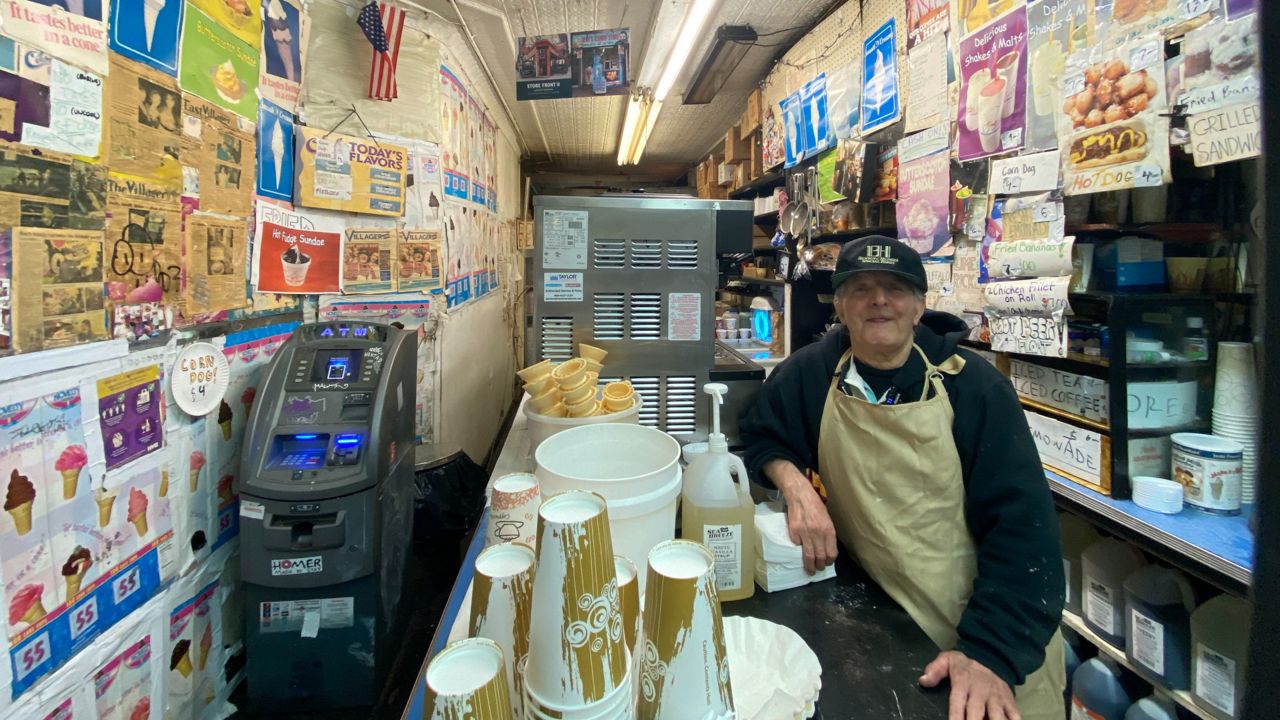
[326, 515]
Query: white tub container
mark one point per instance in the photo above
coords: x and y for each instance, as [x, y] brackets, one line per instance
[542, 427]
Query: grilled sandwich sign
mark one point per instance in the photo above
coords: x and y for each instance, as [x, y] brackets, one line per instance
[1230, 133]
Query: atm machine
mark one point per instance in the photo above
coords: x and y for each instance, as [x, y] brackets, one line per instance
[326, 508]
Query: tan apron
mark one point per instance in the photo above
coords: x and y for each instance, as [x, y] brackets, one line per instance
[896, 496]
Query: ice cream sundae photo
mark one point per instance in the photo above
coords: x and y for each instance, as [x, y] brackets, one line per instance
[921, 224]
[296, 263]
[227, 83]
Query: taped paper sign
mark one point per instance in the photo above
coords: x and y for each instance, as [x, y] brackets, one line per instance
[1231, 133]
[146, 118]
[1067, 448]
[1077, 394]
[1028, 316]
[342, 172]
[367, 265]
[1028, 335]
[1030, 258]
[78, 36]
[57, 288]
[964, 277]
[1221, 65]
[217, 158]
[74, 113]
[144, 239]
[926, 142]
[284, 42]
[419, 255]
[1043, 297]
[215, 264]
[1025, 173]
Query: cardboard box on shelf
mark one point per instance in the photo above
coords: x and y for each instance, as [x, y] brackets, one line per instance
[751, 117]
[755, 168]
[739, 176]
[736, 149]
[724, 174]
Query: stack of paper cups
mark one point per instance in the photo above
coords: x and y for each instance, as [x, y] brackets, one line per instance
[467, 681]
[629, 598]
[684, 670]
[577, 650]
[1236, 409]
[513, 510]
[501, 598]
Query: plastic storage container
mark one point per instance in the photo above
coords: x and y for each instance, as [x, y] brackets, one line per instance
[542, 427]
[1157, 707]
[1072, 660]
[1106, 564]
[1220, 650]
[1099, 691]
[1077, 535]
[1158, 624]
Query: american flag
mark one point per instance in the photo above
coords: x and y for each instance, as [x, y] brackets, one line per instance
[383, 25]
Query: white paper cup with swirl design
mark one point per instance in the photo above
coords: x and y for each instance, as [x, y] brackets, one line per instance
[577, 648]
[684, 670]
[502, 590]
[467, 681]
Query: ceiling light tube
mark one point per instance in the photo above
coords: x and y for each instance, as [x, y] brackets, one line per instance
[642, 139]
[694, 20]
[630, 128]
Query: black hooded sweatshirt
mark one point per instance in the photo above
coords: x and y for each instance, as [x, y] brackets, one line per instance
[1017, 597]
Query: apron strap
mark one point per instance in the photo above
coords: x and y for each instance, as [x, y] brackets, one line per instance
[951, 366]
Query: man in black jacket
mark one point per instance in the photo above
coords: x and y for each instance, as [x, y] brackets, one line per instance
[933, 482]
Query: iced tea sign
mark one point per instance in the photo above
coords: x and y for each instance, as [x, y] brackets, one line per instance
[200, 378]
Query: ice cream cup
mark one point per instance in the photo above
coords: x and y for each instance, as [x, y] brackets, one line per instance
[628, 597]
[591, 352]
[502, 592]
[977, 82]
[684, 670]
[577, 651]
[295, 274]
[618, 391]
[584, 409]
[467, 681]
[541, 386]
[593, 378]
[542, 403]
[593, 366]
[513, 510]
[570, 374]
[584, 392]
[614, 405]
[535, 371]
[105, 499]
[617, 705]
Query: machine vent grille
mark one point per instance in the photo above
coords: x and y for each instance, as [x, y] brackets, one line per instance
[609, 316]
[557, 338]
[649, 389]
[681, 404]
[646, 316]
[646, 254]
[682, 254]
[610, 254]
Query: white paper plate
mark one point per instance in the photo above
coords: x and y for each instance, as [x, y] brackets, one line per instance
[774, 673]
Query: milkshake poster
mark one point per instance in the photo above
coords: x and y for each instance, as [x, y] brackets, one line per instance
[923, 206]
[275, 152]
[129, 407]
[992, 113]
[351, 174]
[219, 66]
[77, 34]
[284, 40]
[154, 41]
[1055, 29]
[298, 261]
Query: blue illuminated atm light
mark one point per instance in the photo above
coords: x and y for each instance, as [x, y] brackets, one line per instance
[327, 332]
[348, 440]
[306, 437]
[360, 331]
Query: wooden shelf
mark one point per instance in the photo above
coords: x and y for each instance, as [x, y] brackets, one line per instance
[1182, 233]
[768, 181]
[1182, 697]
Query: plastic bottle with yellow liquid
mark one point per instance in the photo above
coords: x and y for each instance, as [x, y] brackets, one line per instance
[718, 512]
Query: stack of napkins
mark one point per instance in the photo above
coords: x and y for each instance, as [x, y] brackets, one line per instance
[780, 562]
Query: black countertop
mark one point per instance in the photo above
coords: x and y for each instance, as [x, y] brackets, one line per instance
[871, 651]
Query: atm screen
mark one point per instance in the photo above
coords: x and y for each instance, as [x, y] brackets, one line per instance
[336, 365]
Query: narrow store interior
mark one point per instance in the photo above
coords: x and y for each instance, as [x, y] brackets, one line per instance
[655, 360]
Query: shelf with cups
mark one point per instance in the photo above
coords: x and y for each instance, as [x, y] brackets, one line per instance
[1216, 548]
[1181, 697]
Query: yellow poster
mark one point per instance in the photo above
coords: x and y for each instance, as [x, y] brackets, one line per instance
[242, 17]
[352, 174]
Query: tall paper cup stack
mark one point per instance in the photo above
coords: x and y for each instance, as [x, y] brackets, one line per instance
[577, 652]
[513, 510]
[501, 598]
[684, 670]
[629, 597]
[1236, 409]
[467, 681]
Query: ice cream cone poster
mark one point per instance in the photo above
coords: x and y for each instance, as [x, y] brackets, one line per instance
[219, 66]
[77, 35]
[348, 173]
[123, 685]
[923, 206]
[367, 264]
[147, 31]
[992, 107]
[275, 152]
[129, 414]
[293, 260]
[284, 38]
[242, 17]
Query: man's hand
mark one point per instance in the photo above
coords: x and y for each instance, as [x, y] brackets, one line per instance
[976, 692]
[808, 522]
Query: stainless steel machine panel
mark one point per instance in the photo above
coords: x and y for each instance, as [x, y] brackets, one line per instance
[637, 277]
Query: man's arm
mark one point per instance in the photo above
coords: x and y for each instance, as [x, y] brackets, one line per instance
[808, 522]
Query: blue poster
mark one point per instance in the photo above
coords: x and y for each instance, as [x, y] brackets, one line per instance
[880, 105]
[147, 31]
[813, 110]
[275, 152]
[792, 118]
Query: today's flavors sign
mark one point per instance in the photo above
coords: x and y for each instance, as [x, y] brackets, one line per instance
[352, 174]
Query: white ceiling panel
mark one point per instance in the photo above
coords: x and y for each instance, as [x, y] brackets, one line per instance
[580, 135]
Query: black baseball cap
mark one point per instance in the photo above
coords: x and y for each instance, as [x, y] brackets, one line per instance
[877, 253]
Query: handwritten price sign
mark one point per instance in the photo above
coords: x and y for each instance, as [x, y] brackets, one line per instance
[34, 655]
[1195, 8]
[1146, 55]
[200, 378]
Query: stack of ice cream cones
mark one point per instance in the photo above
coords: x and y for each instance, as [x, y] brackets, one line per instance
[570, 389]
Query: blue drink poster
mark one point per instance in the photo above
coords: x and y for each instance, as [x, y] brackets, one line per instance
[792, 119]
[147, 31]
[880, 101]
[813, 112]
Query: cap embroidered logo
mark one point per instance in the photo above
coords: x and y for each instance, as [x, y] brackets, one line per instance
[879, 255]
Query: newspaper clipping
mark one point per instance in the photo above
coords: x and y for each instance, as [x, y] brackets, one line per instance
[217, 158]
[418, 254]
[57, 288]
[215, 264]
[367, 265]
[146, 119]
[144, 241]
[50, 190]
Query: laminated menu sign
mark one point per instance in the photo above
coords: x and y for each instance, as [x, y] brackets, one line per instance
[1220, 65]
[144, 241]
[153, 41]
[419, 255]
[367, 265]
[298, 260]
[215, 263]
[922, 207]
[1055, 28]
[1079, 453]
[218, 65]
[75, 113]
[1112, 127]
[143, 135]
[284, 43]
[77, 34]
[57, 288]
[217, 158]
[928, 84]
[243, 18]
[1030, 258]
[129, 412]
[342, 172]
[968, 16]
[1127, 19]
[991, 112]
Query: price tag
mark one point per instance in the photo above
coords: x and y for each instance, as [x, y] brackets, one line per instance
[125, 585]
[1195, 8]
[1010, 185]
[1045, 212]
[1073, 85]
[200, 378]
[1011, 140]
[33, 655]
[1145, 55]
[84, 617]
[1147, 176]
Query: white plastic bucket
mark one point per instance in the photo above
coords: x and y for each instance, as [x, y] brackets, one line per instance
[542, 427]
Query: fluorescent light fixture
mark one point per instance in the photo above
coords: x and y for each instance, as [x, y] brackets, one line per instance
[650, 119]
[630, 127]
[731, 44]
[636, 130]
[694, 20]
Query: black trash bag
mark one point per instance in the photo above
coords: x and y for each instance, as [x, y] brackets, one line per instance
[449, 499]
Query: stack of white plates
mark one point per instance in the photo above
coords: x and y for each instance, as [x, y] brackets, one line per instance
[1235, 408]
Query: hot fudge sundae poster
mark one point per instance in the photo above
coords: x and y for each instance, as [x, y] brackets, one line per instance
[219, 66]
[284, 40]
[297, 260]
[153, 39]
[923, 206]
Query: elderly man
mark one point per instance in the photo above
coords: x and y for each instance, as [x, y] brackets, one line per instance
[932, 481]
